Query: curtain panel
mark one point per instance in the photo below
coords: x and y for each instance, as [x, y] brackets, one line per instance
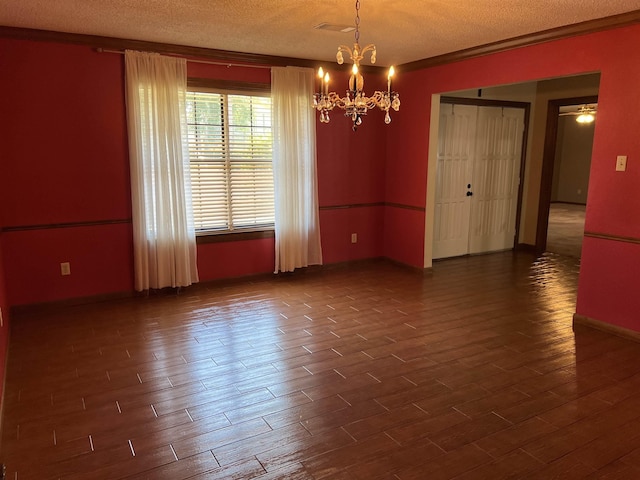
[297, 226]
[163, 231]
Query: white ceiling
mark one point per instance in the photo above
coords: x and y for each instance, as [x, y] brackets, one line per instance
[403, 30]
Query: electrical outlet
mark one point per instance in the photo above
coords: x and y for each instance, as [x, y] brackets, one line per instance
[621, 163]
[65, 268]
[354, 238]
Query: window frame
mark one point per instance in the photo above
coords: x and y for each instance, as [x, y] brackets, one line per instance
[227, 87]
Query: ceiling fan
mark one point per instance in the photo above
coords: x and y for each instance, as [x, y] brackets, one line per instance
[584, 114]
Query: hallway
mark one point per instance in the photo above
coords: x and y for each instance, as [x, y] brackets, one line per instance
[566, 229]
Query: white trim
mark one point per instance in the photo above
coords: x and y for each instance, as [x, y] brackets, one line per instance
[432, 162]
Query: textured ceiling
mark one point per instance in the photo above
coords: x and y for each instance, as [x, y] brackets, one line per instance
[403, 30]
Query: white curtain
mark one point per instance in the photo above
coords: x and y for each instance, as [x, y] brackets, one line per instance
[163, 233]
[297, 226]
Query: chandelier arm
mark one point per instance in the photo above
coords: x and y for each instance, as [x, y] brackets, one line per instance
[369, 48]
[336, 101]
[380, 100]
[341, 104]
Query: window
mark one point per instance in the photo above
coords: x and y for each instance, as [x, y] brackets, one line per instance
[230, 150]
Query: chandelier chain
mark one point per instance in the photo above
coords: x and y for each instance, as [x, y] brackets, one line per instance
[357, 34]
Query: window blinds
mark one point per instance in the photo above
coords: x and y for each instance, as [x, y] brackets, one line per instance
[230, 150]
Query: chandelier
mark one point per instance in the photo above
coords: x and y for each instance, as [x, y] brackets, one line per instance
[355, 103]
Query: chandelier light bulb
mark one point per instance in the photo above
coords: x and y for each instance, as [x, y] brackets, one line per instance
[391, 72]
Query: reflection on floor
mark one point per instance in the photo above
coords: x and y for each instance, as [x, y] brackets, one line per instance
[566, 229]
[370, 371]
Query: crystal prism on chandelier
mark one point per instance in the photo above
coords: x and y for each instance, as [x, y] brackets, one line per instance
[355, 104]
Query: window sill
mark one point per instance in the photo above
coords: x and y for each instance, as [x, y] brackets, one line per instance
[205, 237]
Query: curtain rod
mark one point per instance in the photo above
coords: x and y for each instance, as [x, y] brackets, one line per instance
[206, 62]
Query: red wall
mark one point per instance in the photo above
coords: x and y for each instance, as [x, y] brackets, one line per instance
[4, 329]
[64, 156]
[607, 291]
[351, 180]
[65, 177]
[4, 303]
[609, 284]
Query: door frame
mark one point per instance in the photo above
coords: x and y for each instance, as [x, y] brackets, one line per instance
[548, 161]
[526, 106]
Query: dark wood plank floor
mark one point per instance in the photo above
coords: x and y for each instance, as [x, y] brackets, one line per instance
[372, 371]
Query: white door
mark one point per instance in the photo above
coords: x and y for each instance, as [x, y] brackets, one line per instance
[456, 139]
[477, 174]
[496, 170]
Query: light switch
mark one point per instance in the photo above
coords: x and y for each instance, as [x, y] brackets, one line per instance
[621, 163]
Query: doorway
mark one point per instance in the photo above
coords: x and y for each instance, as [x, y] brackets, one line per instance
[563, 188]
[478, 189]
[536, 94]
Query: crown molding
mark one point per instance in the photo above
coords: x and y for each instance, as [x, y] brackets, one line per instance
[582, 28]
[121, 44]
[94, 41]
[112, 43]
